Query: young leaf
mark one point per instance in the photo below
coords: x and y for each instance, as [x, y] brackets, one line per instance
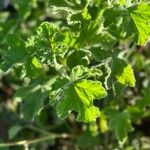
[77, 72]
[140, 15]
[79, 97]
[123, 72]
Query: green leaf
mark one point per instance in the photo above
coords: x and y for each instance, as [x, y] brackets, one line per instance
[120, 123]
[140, 15]
[87, 29]
[33, 67]
[77, 58]
[80, 17]
[136, 113]
[100, 54]
[59, 83]
[5, 30]
[122, 2]
[33, 97]
[46, 33]
[15, 42]
[23, 7]
[57, 89]
[13, 131]
[69, 4]
[50, 40]
[123, 72]
[86, 140]
[139, 61]
[78, 72]
[17, 52]
[145, 100]
[114, 21]
[79, 97]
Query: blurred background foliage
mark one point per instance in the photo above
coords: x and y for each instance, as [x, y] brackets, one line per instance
[23, 17]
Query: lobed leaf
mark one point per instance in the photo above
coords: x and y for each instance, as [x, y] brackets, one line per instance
[79, 97]
[140, 15]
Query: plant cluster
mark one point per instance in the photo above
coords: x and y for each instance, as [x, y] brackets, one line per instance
[81, 65]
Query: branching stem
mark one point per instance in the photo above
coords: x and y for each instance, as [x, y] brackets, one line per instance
[26, 143]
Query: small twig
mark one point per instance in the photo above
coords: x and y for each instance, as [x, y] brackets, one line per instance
[26, 147]
[38, 140]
